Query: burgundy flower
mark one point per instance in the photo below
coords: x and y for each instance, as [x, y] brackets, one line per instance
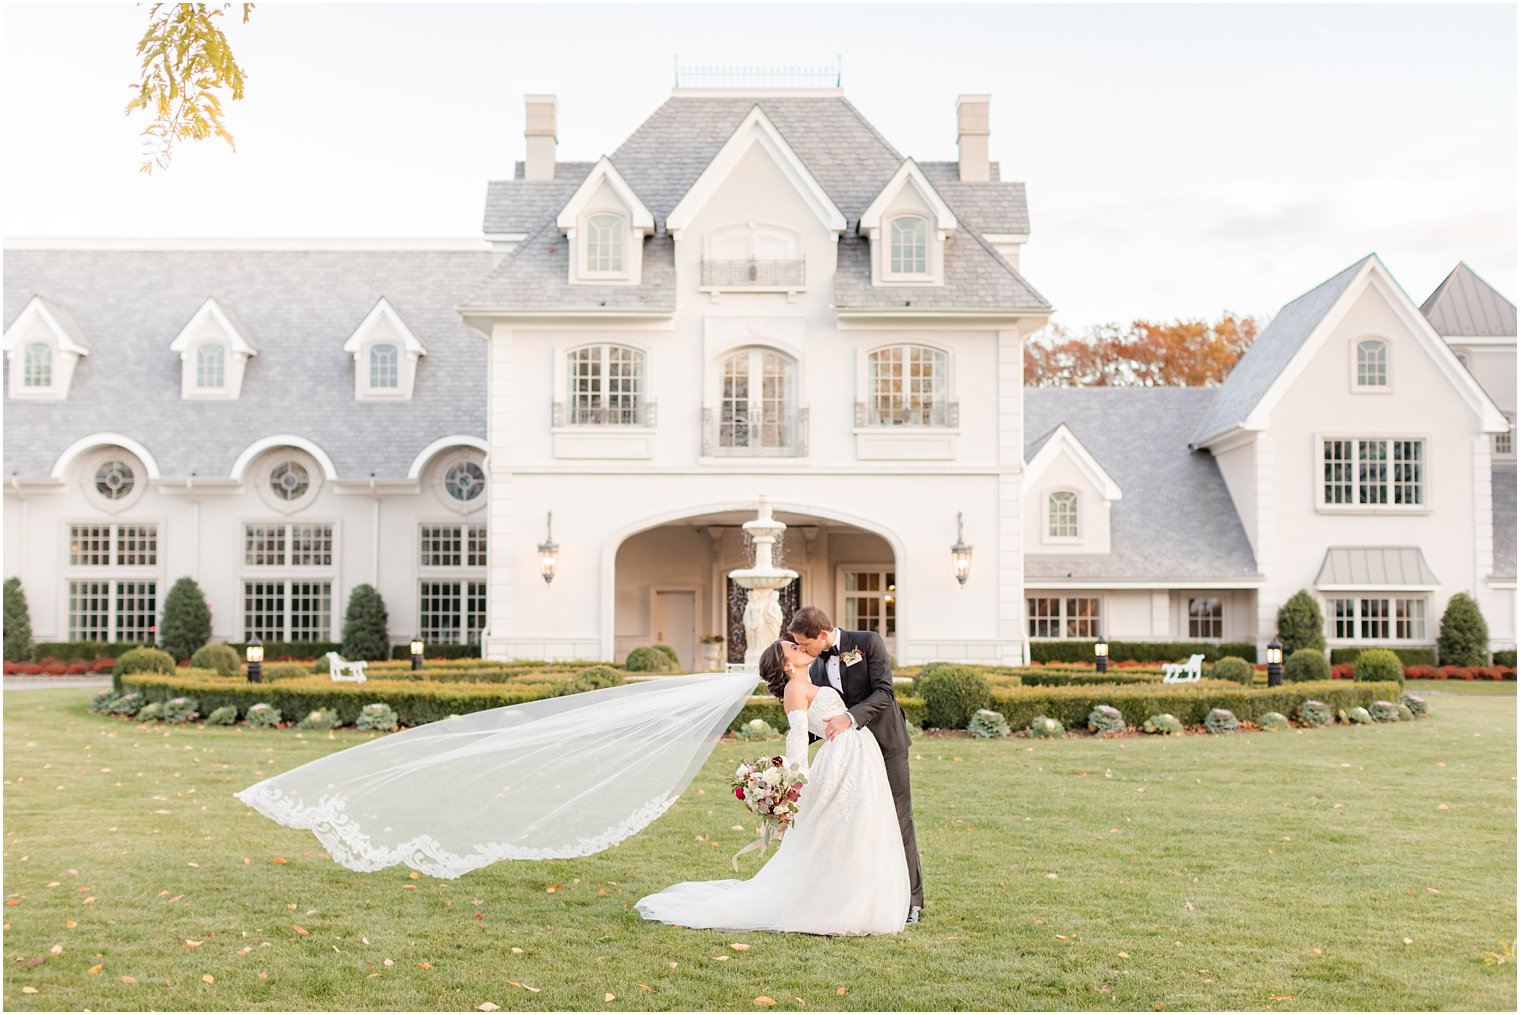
[739, 792]
[778, 761]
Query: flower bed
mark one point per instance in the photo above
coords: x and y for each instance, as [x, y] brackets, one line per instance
[1347, 671]
[51, 667]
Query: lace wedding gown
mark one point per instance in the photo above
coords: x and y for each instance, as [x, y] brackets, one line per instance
[840, 867]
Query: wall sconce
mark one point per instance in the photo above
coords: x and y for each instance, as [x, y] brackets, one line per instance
[960, 553]
[1274, 663]
[416, 648]
[255, 655]
[1100, 654]
[548, 551]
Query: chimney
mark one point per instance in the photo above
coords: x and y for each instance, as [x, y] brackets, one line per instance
[543, 112]
[971, 136]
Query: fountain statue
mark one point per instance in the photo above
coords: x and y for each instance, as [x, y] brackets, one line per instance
[762, 609]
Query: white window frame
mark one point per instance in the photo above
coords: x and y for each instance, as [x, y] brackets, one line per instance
[1354, 465]
[112, 573]
[202, 367]
[891, 274]
[777, 417]
[49, 365]
[469, 591]
[378, 366]
[288, 539]
[887, 578]
[1064, 618]
[584, 271]
[463, 568]
[642, 403]
[287, 610]
[1192, 628]
[1361, 617]
[1048, 525]
[1504, 443]
[871, 385]
[1357, 383]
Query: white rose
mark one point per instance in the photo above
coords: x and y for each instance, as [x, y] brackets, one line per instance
[773, 776]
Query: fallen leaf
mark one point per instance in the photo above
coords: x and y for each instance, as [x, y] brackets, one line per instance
[720, 958]
[1408, 941]
[524, 986]
[28, 990]
[673, 965]
[128, 979]
[609, 997]
[739, 947]
[840, 992]
[1433, 891]
[645, 986]
[56, 949]
[486, 1006]
[299, 929]
[390, 962]
[70, 923]
[197, 944]
[280, 859]
[424, 965]
[765, 1002]
[1065, 937]
[94, 969]
[1124, 955]
[1317, 951]
[208, 978]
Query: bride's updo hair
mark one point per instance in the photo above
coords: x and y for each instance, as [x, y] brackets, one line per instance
[773, 667]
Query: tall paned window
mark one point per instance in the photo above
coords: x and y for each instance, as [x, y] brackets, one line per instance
[759, 400]
[38, 369]
[1063, 515]
[287, 610]
[384, 366]
[1373, 472]
[1206, 617]
[452, 545]
[113, 606]
[1372, 363]
[604, 244]
[909, 246]
[1065, 617]
[606, 386]
[210, 366]
[870, 602]
[281, 544]
[908, 385]
[452, 612]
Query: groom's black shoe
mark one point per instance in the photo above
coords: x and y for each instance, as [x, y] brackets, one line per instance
[912, 916]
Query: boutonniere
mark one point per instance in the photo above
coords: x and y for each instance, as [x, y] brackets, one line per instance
[851, 657]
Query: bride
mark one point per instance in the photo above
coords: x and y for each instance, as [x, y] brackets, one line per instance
[846, 824]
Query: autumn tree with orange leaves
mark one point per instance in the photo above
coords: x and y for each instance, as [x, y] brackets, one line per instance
[1147, 354]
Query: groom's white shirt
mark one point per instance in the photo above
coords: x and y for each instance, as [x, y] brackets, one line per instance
[831, 668]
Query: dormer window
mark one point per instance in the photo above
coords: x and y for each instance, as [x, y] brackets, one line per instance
[1371, 365]
[213, 348]
[910, 245]
[1062, 520]
[39, 365]
[604, 245]
[210, 367]
[385, 351]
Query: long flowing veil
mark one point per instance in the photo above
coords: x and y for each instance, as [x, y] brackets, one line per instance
[559, 777]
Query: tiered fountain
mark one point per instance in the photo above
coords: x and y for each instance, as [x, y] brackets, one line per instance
[762, 608]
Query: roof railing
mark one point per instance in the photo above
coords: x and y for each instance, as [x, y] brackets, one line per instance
[759, 77]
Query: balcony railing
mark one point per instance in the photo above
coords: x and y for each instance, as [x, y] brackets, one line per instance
[771, 435]
[754, 274]
[598, 414]
[884, 413]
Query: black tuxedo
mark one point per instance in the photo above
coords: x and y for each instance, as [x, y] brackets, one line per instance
[867, 691]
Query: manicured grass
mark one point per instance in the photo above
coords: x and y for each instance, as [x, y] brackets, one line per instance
[1279, 871]
[1490, 688]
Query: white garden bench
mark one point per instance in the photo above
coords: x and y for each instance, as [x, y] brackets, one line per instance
[342, 669]
[1176, 673]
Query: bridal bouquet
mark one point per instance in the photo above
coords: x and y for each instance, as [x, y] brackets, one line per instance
[771, 788]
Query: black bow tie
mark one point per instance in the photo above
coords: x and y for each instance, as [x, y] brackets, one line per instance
[832, 650]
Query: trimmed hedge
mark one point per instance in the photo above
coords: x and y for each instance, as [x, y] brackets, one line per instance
[432, 651]
[1140, 651]
[1407, 656]
[1505, 657]
[82, 651]
[413, 703]
[275, 651]
[764, 706]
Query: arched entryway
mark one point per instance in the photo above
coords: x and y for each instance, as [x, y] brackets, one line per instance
[669, 582]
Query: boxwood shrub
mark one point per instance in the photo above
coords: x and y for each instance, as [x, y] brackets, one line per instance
[1306, 664]
[1380, 664]
[648, 659]
[1407, 656]
[952, 694]
[221, 658]
[1505, 657]
[1233, 668]
[1140, 651]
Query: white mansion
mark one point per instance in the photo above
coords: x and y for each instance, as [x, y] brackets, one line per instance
[755, 293]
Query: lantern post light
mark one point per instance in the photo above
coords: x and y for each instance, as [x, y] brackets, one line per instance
[548, 551]
[255, 654]
[416, 647]
[960, 553]
[1100, 654]
[1274, 663]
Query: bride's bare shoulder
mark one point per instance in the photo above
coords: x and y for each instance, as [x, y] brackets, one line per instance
[798, 694]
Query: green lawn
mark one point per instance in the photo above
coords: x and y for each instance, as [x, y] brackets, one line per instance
[1281, 871]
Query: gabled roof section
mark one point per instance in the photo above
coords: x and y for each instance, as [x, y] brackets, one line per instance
[1464, 305]
[605, 172]
[1061, 441]
[522, 206]
[230, 327]
[56, 319]
[756, 129]
[990, 206]
[908, 175]
[383, 311]
[1268, 356]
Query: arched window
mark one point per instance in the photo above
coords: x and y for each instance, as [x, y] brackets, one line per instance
[210, 366]
[38, 372]
[606, 386]
[1372, 363]
[1063, 519]
[908, 385]
[604, 244]
[909, 246]
[384, 366]
[758, 403]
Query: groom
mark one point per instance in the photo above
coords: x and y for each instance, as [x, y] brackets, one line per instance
[855, 664]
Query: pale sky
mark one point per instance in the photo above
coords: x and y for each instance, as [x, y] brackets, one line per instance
[1180, 160]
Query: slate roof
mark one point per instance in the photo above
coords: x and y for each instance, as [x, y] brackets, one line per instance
[1504, 522]
[668, 152]
[1464, 305]
[1176, 519]
[297, 307]
[1270, 355]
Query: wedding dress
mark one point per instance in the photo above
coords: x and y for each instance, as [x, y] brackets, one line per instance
[840, 867]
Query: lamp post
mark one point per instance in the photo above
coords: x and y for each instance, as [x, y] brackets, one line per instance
[417, 653]
[255, 653]
[1274, 663]
[960, 553]
[1100, 654]
[548, 551]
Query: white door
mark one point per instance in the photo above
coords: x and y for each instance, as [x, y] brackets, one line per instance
[675, 624]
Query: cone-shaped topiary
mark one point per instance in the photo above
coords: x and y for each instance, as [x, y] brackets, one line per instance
[187, 619]
[1300, 624]
[365, 626]
[1464, 633]
[18, 623]
[1307, 664]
